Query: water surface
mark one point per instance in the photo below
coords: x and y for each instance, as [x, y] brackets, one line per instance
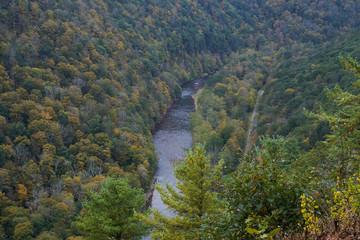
[172, 137]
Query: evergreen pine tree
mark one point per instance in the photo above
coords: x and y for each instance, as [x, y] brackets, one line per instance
[343, 142]
[193, 201]
[110, 213]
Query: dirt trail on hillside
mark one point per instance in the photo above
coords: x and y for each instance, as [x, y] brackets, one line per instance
[253, 123]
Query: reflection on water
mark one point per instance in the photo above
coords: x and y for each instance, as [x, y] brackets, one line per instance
[172, 137]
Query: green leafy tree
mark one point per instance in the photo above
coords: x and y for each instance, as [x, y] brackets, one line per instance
[260, 190]
[47, 236]
[280, 150]
[110, 213]
[23, 230]
[95, 124]
[194, 203]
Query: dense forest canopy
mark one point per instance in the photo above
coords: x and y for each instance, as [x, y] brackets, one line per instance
[82, 84]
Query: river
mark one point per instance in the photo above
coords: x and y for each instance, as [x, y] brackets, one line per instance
[172, 137]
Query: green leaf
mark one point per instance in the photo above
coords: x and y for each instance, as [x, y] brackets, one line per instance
[273, 232]
[252, 231]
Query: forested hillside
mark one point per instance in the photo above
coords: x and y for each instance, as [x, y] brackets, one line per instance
[284, 187]
[292, 80]
[82, 84]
